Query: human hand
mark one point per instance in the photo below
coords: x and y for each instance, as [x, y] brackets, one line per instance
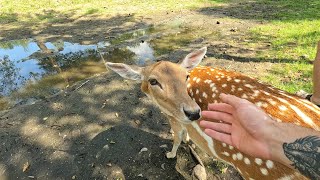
[243, 126]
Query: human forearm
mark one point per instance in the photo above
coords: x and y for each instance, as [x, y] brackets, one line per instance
[296, 147]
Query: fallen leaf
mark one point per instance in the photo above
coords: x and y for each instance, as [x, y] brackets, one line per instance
[164, 146]
[143, 150]
[25, 167]
[162, 166]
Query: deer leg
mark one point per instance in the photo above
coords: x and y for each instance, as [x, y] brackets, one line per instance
[177, 138]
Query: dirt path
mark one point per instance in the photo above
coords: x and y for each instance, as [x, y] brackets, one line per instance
[97, 128]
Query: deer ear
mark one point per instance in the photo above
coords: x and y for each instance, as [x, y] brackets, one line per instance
[126, 71]
[194, 58]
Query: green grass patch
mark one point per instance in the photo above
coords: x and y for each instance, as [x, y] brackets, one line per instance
[296, 41]
[292, 29]
[290, 77]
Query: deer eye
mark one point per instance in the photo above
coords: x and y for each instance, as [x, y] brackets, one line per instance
[154, 82]
[187, 77]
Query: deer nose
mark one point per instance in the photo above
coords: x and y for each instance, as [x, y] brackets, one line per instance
[192, 115]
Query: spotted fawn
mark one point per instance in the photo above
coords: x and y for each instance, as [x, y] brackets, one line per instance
[182, 90]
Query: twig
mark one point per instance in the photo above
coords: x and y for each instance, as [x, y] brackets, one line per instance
[82, 85]
[196, 156]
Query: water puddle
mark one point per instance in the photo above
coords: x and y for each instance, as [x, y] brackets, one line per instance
[31, 69]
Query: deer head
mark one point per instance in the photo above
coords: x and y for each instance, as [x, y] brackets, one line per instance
[165, 83]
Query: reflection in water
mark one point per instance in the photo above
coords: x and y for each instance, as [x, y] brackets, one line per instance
[9, 75]
[143, 53]
[35, 69]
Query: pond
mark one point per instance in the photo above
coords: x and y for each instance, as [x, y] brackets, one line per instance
[31, 69]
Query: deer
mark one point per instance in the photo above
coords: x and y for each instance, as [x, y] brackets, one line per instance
[182, 90]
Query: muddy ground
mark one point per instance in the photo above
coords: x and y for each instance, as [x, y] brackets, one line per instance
[96, 128]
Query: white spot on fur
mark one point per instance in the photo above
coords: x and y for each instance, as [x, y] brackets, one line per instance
[224, 85]
[213, 89]
[205, 95]
[213, 95]
[189, 85]
[200, 100]
[256, 93]
[264, 171]
[283, 108]
[212, 85]
[240, 89]
[251, 179]
[271, 101]
[259, 104]
[244, 96]
[234, 156]
[198, 80]
[236, 80]
[229, 78]
[266, 93]
[239, 156]
[269, 164]
[304, 117]
[258, 161]
[194, 79]
[247, 161]
[225, 153]
[197, 91]
[224, 144]
[249, 86]
[233, 88]
[230, 147]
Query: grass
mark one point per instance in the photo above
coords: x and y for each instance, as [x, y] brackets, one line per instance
[290, 40]
[290, 77]
[47, 10]
[292, 28]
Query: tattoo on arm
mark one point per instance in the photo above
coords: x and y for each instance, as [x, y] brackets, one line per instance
[305, 155]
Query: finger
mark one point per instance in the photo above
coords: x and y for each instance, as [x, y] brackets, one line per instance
[222, 107]
[226, 138]
[221, 127]
[232, 100]
[216, 115]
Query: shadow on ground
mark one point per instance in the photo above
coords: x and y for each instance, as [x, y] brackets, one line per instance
[91, 131]
[88, 29]
[286, 11]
